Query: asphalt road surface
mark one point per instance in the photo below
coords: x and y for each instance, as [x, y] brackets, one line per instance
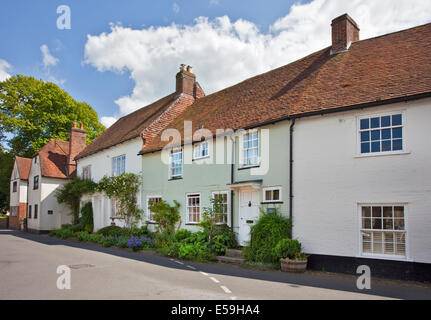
[28, 270]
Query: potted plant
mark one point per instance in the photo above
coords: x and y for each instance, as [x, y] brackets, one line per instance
[291, 258]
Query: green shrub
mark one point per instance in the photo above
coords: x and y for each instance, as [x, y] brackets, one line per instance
[109, 241]
[182, 234]
[112, 231]
[165, 216]
[83, 236]
[287, 248]
[139, 232]
[265, 235]
[96, 238]
[65, 233]
[86, 217]
[228, 235]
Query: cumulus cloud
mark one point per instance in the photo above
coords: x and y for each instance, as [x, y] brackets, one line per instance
[48, 58]
[108, 121]
[4, 69]
[224, 52]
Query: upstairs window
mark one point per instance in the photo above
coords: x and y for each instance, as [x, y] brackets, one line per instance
[176, 164]
[200, 150]
[250, 149]
[381, 134]
[86, 172]
[36, 182]
[118, 165]
[14, 186]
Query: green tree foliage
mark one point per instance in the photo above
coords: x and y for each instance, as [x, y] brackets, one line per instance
[6, 163]
[71, 193]
[34, 111]
[212, 215]
[166, 216]
[124, 189]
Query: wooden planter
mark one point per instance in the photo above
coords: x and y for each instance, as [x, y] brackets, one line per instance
[293, 266]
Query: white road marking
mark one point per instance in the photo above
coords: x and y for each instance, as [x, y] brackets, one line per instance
[233, 298]
[191, 267]
[204, 273]
[214, 279]
[179, 262]
[225, 289]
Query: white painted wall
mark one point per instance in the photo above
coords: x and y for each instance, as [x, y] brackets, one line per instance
[34, 195]
[330, 180]
[62, 214]
[15, 196]
[101, 165]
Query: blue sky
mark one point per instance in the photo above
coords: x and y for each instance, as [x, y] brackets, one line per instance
[118, 71]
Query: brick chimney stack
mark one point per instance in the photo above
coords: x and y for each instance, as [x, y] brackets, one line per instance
[344, 32]
[77, 143]
[186, 82]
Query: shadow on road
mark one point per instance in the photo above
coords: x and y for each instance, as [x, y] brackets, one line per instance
[380, 287]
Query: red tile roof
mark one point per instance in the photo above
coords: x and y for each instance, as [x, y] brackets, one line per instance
[53, 159]
[396, 65]
[23, 165]
[129, 127]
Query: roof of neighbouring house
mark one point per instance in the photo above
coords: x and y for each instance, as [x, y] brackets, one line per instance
[377, 70]
[128, 127]
[23, 165]
[53, 159]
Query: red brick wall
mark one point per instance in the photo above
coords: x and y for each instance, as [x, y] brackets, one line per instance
[14, 222]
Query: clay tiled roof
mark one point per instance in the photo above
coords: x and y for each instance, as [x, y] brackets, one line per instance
[53, 159]
[385, 68]
[23, 165]
[128, 127]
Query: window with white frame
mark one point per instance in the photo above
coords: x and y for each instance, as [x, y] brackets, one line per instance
[176, 164]
[200, 150]
[86, 172]
[272, 194]
[152, 200]
[223, 198]
[118, 165]
[250, 149]
[381, 134]
[193, 208]
[383, 230]
[35, 182]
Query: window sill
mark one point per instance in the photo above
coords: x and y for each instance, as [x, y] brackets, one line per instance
[192, 224]
[177, 178]
[384, 257]
[201, 158]
[272, 202]
[151, 222]
[382, 154]
[248, 167]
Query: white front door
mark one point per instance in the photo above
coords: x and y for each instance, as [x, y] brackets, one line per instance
[248, 213]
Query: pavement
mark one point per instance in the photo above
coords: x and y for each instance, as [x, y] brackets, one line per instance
[28, 270]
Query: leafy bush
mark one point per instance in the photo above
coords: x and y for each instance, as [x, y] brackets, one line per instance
[265, 235]
[63, 233]
[109, 241]
[112, 231]
[96, 238]
[140, 232]
[86, 218]
[228, 235]
[287, 248]
[182, 234]
[165, 216]
[83, 236]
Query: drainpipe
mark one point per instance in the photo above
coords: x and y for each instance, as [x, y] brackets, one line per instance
[291, 176]
[232, 180]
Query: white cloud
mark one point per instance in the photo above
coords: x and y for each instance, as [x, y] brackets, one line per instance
[108, 121]
[48, 58]
[4, 69]
[214, 2]
[175, 8]
[224, 52]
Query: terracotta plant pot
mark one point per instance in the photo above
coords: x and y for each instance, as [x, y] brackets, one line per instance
[293, 266]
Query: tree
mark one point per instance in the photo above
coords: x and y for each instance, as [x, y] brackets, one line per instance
[34, 111]
[166, 216]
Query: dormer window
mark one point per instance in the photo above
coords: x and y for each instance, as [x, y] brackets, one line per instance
[176, 164]
[36, 182]
[14, 186]
[200, 150]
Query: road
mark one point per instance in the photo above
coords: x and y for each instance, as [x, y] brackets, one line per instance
[28, 265]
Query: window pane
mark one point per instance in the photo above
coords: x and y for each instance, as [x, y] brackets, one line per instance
[399, 212]
[399, 224]
[388, 224]
[365, 136]
[366, 223]
[396, 120]
[386, 134]
[387, 212]
[397, 133]
[366, 212]
[377, 224]
[375, 147]
[386, 145]
[375, 135]
[397, 145]
[386, 121]
[365, 147]
[375, 123]
[276, 195]
[377, 212]
[365, 124]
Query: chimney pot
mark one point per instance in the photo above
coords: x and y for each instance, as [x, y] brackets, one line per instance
[344, 32]
[82, 126]
[74, 124]
[185, 81]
